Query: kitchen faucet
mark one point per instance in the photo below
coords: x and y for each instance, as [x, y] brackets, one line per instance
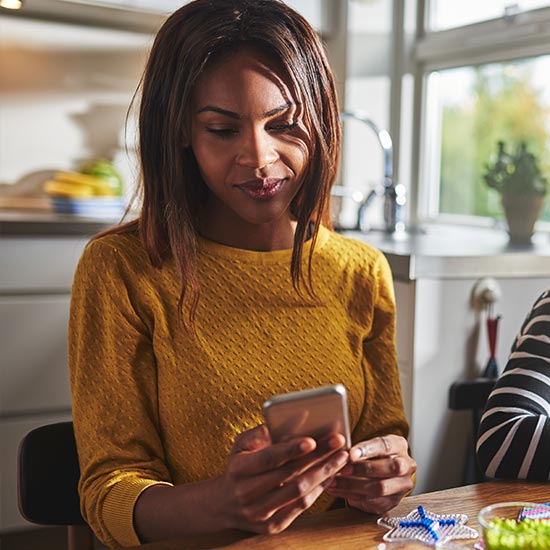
[394, 195]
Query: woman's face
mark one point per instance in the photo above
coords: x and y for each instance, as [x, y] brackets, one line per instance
[251, 147]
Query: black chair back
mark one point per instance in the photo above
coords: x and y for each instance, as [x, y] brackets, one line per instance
[48, 474]
[471, 395]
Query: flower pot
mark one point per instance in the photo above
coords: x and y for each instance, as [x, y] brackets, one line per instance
[521, 211]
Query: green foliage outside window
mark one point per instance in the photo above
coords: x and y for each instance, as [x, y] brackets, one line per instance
[504, 106]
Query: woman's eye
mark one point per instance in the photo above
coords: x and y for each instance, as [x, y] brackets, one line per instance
[286, 127]
[222, 132]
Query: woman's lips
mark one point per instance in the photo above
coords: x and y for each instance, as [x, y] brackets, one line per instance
[261, 189]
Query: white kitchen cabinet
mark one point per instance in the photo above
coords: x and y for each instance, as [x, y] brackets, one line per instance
[33, 265]
[34, 354]
[35, 283]
[404, 298]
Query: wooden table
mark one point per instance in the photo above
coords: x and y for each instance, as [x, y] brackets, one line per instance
[349, 529]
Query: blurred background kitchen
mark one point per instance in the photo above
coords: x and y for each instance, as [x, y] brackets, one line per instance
[431, 88]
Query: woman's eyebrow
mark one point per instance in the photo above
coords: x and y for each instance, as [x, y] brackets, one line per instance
[279, 109]
[236, 116]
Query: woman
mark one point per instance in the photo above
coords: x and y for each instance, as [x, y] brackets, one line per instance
[514, 434]
[228, 289]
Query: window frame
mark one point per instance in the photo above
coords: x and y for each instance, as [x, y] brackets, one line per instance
[507, 38]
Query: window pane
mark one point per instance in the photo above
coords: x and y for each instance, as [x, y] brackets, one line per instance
[446, 14]
[471, 109]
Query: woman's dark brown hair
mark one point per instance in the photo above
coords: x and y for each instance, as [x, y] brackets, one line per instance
[173, 192]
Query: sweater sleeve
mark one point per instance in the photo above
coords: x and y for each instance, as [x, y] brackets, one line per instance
[114, 393]
[514, 434]
[383, 412]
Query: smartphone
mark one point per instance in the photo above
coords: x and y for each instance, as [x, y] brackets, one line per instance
[308, 413]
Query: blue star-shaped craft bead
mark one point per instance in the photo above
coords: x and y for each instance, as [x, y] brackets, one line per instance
[427, 527]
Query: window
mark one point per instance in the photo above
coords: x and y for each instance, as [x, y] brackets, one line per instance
[474, 108]
[447, 14]
[483, 72]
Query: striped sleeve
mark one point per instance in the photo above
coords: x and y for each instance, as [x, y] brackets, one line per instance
[514, 433]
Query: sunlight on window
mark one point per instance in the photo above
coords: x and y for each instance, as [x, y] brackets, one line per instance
[446, 14]
[472, 109]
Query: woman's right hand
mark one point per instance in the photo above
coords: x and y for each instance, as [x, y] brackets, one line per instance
[266, 486]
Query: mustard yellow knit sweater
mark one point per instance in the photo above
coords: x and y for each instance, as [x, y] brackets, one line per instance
[152, 403]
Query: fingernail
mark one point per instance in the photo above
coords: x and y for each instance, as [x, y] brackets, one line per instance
[335, 441]
[356, 454]
[304, 446]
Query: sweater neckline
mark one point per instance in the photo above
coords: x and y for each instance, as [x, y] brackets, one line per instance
[254, 256]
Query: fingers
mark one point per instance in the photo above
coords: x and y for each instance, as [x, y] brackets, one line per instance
[277, 510]
[379, 474]
[252, 440]
[290, 460]
[325, 447]
[285, 516]
[250, 463]
[274, 456]
[266, 486]
[385, 445]
[363, 487]
[299, 487]
[391, 466]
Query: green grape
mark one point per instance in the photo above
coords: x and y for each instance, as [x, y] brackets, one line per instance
[509, 534]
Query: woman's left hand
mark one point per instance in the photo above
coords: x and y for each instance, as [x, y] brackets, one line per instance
[379, 474]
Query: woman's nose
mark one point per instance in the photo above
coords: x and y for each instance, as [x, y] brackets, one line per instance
[257, 149]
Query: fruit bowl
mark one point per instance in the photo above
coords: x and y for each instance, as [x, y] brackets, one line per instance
[509, 526]
[93, 192]
[90, 207]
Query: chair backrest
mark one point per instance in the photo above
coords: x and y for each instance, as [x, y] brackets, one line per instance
[471, 395]
[48, 474]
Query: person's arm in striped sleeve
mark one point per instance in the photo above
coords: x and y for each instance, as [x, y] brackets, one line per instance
[514, 434]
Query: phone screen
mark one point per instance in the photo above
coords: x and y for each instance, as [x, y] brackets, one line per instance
[310, 413]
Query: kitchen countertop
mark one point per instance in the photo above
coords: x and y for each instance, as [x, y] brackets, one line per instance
[455, 252]
[435, 251]
[45, 224]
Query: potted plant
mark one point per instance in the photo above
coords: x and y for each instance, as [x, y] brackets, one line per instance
[522, 187]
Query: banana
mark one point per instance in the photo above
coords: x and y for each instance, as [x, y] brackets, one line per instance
[99, 185]
[63, 189]
[78, 185]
